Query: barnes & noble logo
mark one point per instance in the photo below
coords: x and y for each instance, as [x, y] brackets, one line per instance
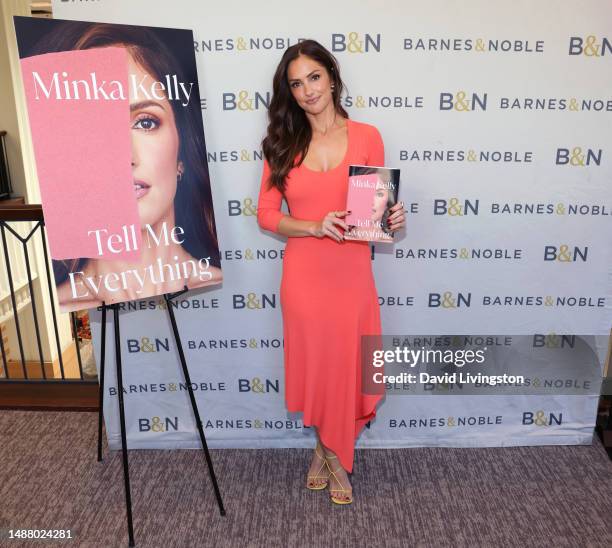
[576, 157]
[234, 344]
[424, 422]
[256, 386]
[160, 304]
[469, 155]
[569, 301]
[572, 104]
[571, 383]
[249, 254]
[169, 387]
[243, 155]
[462, 253]
[252, 301]
[552, 340]
[136, 346]
[354, 43]
[453, 208]
[564, 254]
[478, 45]
[395, 301]
[246, 208]
[448, 300]
[591, 46]
[243, 101]
[243, 423]
[381, 101]
[155, 424]
[460, 102]
[540, 208]
[539, 418]
[241, 43]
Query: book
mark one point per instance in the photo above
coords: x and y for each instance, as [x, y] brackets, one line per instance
[372, 191]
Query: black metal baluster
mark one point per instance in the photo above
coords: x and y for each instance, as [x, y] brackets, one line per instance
[33, 301]
[4, 364]
[101, 378]
[51, 300]
[76, 340]
[14, 303]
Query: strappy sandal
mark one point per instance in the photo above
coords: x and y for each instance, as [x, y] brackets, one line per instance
[318, 476]
[336, 500]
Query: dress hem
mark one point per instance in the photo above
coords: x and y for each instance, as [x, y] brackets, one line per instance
[364, 419]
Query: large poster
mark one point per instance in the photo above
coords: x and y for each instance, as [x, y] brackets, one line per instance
[118, 137]
[498, 116]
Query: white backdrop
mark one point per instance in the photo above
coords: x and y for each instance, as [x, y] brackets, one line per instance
[498, 116]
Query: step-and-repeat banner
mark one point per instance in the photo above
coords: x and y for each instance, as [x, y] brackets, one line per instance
[498, 115]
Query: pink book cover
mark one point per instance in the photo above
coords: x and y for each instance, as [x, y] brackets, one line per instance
[116, 120]
[372, 191]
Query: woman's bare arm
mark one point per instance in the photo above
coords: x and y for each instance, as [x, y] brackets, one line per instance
[288, 226]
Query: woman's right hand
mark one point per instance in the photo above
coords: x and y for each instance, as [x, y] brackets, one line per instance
[328, 226]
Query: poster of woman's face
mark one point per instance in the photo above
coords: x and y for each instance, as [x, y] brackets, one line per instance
[161, 185]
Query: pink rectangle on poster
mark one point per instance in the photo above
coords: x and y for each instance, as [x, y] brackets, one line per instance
[361, 198]
[82, 148]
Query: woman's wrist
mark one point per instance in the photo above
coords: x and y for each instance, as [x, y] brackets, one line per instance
[288, 226]
[313, 228]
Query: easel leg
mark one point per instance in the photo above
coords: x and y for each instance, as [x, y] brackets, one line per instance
[126, 473]
[194, 406]
[101, 372]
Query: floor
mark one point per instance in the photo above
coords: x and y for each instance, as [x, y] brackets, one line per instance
[514, 496]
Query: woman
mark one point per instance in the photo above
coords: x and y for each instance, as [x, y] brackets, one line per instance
[328, 296]
[170, 175]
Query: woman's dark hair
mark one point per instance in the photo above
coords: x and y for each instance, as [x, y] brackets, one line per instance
[289, 132]
[192, 203]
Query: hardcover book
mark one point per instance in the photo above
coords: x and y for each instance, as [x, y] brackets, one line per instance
[372, 191]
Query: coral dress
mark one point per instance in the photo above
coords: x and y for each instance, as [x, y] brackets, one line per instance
[328, 299]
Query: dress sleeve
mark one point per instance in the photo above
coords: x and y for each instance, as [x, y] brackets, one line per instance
[269, 203]
[376, 148]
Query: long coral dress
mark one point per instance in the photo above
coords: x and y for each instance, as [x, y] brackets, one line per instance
[328, 299]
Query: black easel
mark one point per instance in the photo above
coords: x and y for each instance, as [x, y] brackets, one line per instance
[177, 339]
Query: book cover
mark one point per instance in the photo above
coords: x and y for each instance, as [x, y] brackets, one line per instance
[372, 191]
[118, 137]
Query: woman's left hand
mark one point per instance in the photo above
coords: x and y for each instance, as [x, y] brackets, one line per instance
[397, 219]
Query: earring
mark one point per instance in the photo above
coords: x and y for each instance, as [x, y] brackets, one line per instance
[179, 176]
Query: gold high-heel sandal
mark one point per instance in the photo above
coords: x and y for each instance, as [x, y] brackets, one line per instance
[340, 489]
[318, 475]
